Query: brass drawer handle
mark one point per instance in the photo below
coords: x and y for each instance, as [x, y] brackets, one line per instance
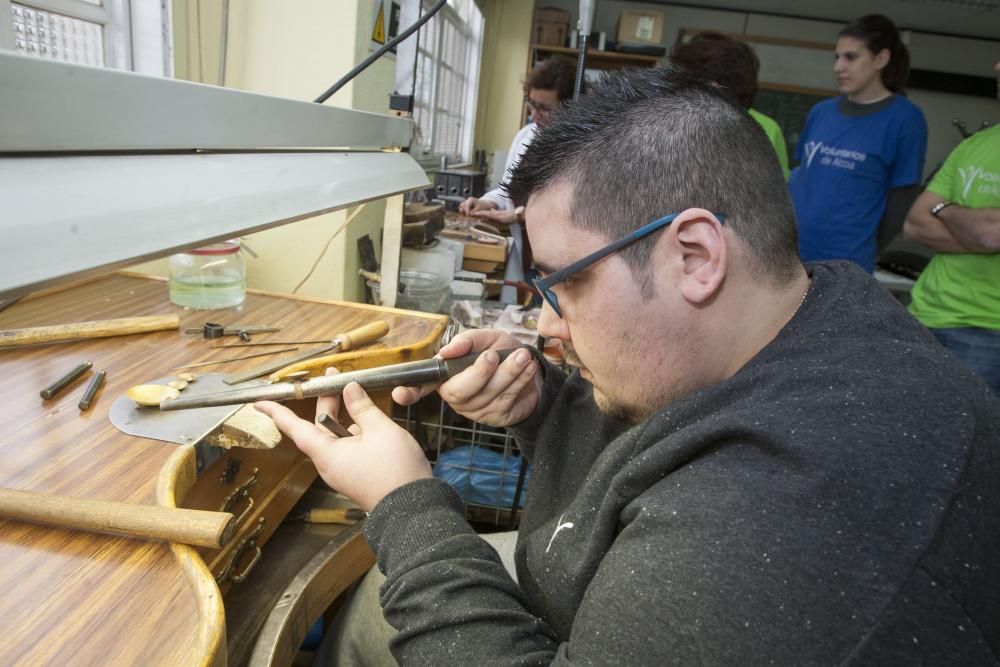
[241, 493]
[249, 543]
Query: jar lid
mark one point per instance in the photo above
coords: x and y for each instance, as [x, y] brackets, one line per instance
[224, 248]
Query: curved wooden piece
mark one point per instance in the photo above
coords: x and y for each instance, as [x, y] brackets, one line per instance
[345, 559]
[208, 650]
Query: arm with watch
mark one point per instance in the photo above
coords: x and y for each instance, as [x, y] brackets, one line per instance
[949, 227]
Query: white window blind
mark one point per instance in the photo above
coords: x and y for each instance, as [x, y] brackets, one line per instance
[123, 34]
[447, 81]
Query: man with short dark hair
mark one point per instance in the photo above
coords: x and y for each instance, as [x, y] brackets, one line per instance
[754, 462]
[732, 66]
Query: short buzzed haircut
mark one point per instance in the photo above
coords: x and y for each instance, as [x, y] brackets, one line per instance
[647, 143]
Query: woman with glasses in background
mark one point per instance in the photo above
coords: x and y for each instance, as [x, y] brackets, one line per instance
[547, 87]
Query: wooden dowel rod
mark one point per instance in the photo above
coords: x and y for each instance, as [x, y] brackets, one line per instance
[61, 333]
[172, 524]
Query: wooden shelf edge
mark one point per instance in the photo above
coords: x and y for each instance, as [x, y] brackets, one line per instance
[598, 55]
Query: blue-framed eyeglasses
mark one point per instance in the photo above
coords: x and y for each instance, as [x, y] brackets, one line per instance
[545, 285]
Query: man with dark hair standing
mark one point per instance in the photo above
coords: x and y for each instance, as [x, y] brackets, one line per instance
[732, 66]
[754, 462]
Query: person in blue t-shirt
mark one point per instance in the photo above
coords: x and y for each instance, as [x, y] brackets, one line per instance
[859, 150]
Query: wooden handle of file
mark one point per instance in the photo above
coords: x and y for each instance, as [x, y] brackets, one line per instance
[61, 333]
[357, 360]
[173, 524]
[342, 515]
[366, 334]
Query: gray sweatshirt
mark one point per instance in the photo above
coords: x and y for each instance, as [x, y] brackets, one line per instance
[837, 501]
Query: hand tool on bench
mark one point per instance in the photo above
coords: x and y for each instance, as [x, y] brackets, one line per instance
[91, 391]
[226, 361]
[410, 374]
[340, 515]
[213, 330]
[355, 360]
[322, 341]
[66, 380]
[62, 333]
[173, 524]
[340, 343]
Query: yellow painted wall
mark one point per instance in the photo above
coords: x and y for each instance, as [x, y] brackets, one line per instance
[295, 50]
[506, 46]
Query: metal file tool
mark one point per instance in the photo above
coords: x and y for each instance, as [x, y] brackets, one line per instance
[411, 374]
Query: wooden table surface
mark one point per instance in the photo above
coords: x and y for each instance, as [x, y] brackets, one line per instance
[81, 598]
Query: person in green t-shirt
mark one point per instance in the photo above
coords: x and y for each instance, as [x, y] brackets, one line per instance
[958, 295]
[732, 66]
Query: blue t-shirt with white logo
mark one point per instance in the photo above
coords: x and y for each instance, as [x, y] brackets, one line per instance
[847, 164]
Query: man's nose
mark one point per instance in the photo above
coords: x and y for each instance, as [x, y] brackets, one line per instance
[551, 325]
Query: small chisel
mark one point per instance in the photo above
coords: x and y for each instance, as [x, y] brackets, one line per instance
[334, 426]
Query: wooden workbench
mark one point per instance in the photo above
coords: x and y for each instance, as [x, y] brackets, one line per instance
[83, 598]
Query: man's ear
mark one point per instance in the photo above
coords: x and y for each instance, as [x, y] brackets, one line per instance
[704, 253]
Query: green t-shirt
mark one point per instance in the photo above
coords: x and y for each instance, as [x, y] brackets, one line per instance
[774, 134]
[963, 290]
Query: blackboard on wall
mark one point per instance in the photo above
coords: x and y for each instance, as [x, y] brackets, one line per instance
[789, 109]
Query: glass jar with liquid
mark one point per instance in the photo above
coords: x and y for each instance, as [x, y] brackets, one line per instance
[208, 278]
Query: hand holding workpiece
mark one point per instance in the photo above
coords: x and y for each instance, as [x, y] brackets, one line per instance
[473, 205]
[489, 392]
[380, 458]
[504, 216]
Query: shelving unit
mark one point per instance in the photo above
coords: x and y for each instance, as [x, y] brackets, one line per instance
[595, 59]
[600, 60]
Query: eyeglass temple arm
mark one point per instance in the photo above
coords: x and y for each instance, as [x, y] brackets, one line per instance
[561, 274]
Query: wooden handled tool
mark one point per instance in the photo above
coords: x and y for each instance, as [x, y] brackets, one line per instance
[173, 524]
[366, 334]
[342, 515]
[61, 333]
[340, 343]
[357, 360]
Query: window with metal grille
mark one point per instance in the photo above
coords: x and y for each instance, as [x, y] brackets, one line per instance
[447, 81]
[123, 34]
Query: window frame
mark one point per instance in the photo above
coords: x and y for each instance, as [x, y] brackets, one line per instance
[471, 31]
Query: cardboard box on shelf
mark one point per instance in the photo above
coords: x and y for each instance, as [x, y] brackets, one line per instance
[551, 26]
[640, 27]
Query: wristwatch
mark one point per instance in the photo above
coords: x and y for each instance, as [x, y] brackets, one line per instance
[938, 207]
[519, 212]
